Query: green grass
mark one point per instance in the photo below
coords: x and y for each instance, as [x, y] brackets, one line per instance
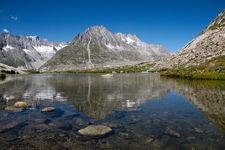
[209, 76]
[213, 69]
[124, 69]
[31, 71]
[2, 76]
[199, 75]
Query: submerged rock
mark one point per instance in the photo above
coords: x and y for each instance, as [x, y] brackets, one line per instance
[95, 130]
[148, 140]
[20, 104]
[197, 130]
[190, 138]
[48, 109]
[172, 132]
[11, 108]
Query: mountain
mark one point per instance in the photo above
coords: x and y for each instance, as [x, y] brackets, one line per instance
[206, 46]
[97, 47]
[26, 52]
[10, 70]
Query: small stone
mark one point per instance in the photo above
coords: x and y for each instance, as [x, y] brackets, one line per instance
[48, 109]
[51, 124]
[190, 138]
[124, 135]
[20, 104]
[39, 120]
[62, 135]
[95, 130]
[172, 132]
[107, 75]
[148, 140]
[197, 130]
[25, 137]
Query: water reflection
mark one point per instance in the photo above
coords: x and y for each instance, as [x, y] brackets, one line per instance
[207, 96]
[98, 97]
[92, 94]
[139, 108]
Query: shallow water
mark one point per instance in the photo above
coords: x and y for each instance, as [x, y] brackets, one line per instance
[138, 107]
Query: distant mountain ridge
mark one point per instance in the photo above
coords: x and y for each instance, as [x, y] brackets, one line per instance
[98, 47]
[27, 52]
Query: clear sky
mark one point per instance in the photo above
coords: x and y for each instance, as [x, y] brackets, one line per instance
[171, 23]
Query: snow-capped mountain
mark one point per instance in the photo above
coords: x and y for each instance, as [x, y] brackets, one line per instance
[27, 52]
[98, 47]
[150, 51]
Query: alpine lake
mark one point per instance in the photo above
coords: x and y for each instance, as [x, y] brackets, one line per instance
[144, 111]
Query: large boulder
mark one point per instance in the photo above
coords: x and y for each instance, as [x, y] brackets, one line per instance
[20, 105]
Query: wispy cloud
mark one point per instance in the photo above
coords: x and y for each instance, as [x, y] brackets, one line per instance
[5, 30]
[14, 18]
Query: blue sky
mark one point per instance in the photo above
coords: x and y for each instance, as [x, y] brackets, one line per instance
[171, 23]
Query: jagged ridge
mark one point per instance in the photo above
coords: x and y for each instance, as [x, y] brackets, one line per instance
[26, 52]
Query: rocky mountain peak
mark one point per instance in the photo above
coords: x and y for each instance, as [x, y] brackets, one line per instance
[217, 23]
[95, 34]
[96, 29]
[98, 47]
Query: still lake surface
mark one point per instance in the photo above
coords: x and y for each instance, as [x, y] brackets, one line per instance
[138, 107]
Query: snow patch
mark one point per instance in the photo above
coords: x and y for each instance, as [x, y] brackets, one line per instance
[60, 46]
[130, 103]
[44, 49]
[32, 37]
[8, 47]
[110, 46]
[129, 40]
[26, 50]
[114, 47]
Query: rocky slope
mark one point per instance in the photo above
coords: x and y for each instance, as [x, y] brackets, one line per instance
[209, 44]
[10, 70]
[26, 52]
[97, 47]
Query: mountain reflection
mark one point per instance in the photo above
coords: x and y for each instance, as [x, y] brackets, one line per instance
[98, 97]
[207, 96]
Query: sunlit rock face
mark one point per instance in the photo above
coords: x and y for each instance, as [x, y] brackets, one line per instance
[98, 47]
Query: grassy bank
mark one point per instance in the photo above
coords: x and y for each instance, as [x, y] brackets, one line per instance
[31, 71]
[197, 75]
[123, 69]
[2, 76]
[210, 70]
